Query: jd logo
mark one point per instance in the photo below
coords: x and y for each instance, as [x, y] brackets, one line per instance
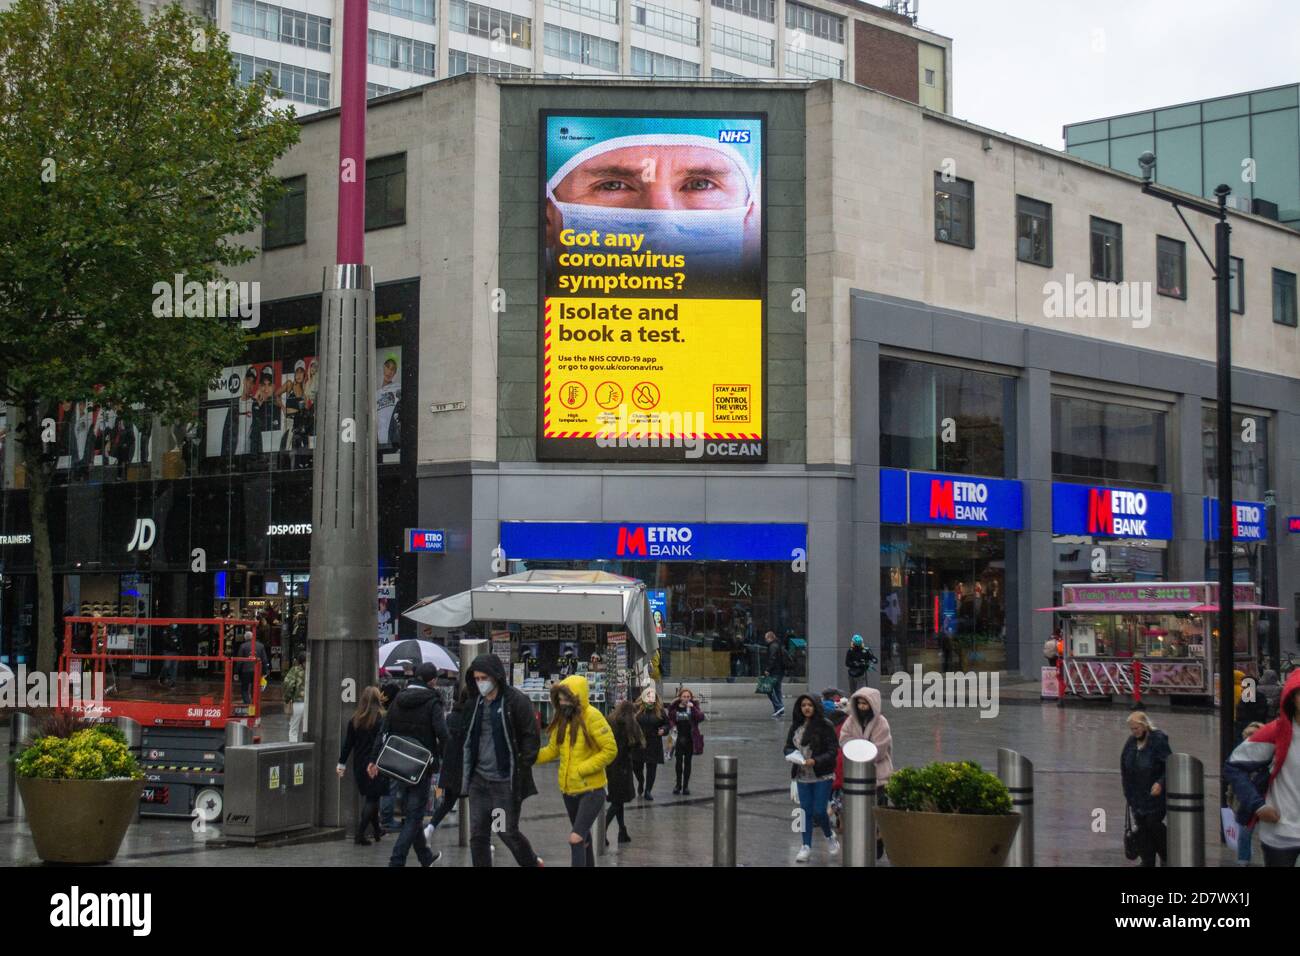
[145, 532]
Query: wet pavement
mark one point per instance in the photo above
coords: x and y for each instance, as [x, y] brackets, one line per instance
[1075, 751]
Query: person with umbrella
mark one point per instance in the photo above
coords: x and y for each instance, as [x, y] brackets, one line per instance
[410, 651]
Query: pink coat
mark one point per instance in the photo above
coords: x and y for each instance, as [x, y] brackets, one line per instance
[876, 731]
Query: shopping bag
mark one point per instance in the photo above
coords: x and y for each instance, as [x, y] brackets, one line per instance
[765, 685]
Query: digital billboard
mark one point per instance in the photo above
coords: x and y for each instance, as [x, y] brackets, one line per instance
[653, 256]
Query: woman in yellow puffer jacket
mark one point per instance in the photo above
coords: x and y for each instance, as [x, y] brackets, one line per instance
[581, 739]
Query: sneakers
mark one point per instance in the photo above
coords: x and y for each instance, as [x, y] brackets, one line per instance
[835, 846]
[677, 789]
[437, 855]
[804, 853]
[624, 837]
[650, 798]
[778, 714]
[429, 832]
[686, 791]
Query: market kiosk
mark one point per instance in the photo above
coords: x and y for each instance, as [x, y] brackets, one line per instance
[1164, 633]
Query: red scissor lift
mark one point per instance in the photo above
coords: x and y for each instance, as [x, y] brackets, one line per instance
[182, 725]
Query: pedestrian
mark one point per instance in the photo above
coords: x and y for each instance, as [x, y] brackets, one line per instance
[812, 741]
[774, 667]
[295, 697]
[1246, 828]
[449, 787]
[417, 715]
[621, 787]
[359, 743]
[654, 725]
[250, 670]
[501, 745]
[171, 640]
[1264, 773]
[1142, 773]
[388, 691]
[866, 722]
[833, 704]
[583, 742]
[685, 716]
[858, 660]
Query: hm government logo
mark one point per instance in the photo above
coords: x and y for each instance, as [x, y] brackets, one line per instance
[74, 909]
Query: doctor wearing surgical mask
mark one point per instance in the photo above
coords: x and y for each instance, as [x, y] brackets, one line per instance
[686, 194]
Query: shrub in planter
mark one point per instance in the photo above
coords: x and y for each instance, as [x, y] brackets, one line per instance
[947, 814]
[81, 792]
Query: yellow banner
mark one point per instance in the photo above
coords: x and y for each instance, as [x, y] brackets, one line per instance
[652, 367]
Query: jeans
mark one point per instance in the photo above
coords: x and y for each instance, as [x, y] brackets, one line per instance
[644, 771]
[775, 696]
[1152, 837]
[814, 798]
[583, 809]
[682, 757]
[444, 807]
[246, 687]
[414, 799]
[485, 798]
[1244, 839]
[388, 806]
[1280, 856]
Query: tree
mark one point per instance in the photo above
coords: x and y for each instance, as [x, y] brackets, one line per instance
[129, 155]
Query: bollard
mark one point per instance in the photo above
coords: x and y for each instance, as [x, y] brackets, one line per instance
[238, 735]
[22, 731]
[726, 781]
[599, 845]
[469, 649]
[1185, 799]
[1017, 772]
[462, 821]
[131, 729]
[859, 804]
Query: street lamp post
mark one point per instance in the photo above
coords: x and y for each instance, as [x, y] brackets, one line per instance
[1221, 268]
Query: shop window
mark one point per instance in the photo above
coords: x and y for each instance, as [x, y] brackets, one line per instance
[942, 418]
[386, 191]
[285, 220]
[1171, 267]
[1107, 252]
[1033, 231]
[954, 211]
[1107, 442]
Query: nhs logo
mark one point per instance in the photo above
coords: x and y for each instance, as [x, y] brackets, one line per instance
[733, 136]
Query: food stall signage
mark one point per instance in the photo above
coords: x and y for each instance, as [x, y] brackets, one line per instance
[1112, 512]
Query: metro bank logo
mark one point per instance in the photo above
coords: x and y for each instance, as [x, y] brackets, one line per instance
[650, 541]
[959, 500]
[1115, 512]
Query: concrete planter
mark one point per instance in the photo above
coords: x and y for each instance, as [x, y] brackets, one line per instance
[79, 821]
[946, 839]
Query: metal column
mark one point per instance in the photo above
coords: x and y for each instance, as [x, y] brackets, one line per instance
[468, 651]
[1017, 772]
[726, 781]
[22, 731]
[1185, 796]
[859, 812]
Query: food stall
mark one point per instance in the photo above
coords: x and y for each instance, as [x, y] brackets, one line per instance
[1166, 632]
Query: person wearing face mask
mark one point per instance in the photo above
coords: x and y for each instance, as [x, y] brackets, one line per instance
[580, 738]
[1264, 772]
[685, 717]
[1142, 772]
[654, 726]
[497, 758]
[812, 738]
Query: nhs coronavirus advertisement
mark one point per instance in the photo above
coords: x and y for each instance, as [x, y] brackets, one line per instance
[653, 249]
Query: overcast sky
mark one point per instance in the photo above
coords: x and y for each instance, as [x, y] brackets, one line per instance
[1027, 68]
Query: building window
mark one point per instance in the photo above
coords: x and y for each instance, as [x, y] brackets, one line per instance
[1108, 442]
[269, 22]
[376, 89]
[284, 223]
[954, 211]
[1237, 284]
[817, 23]
[724, 75]
[758, 9]
[461, 62]
[812, 65]
[403, 53]
[386, 191]
[421, 11]
[1107, 250]
[581, 48]
[649, 63]
[662, 22]
[1249, 458]
[1171, 267]
[1033, 231]
[1284, 301]
[496, 25]
[744, 45]
[286, 82]
[929, 77]
[604, 10]
[917, 399]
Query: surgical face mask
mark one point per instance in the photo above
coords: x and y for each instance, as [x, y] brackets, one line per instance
[707, 238]
[485, 686]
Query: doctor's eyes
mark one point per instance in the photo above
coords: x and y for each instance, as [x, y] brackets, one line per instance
[612, 186]
[699, 185]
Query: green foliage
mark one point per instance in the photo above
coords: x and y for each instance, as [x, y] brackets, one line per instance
[93, 754]
[948, 788]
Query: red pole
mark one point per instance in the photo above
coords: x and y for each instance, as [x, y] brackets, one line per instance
[1137, 682]
[352, 136]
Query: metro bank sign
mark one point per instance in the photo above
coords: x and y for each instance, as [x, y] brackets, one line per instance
[1249, 520]
[968, 501]
[1112, 512]
[652, 541]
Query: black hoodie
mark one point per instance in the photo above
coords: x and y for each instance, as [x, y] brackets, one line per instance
[523, 739]
[416, 713]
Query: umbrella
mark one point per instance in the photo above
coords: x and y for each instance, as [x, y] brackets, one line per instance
[453, 611]
[396, 654]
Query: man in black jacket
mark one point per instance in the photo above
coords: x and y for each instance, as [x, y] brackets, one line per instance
[858, 660]
[501, 745]
[248, 669]
[416, 714]
[774, 667]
